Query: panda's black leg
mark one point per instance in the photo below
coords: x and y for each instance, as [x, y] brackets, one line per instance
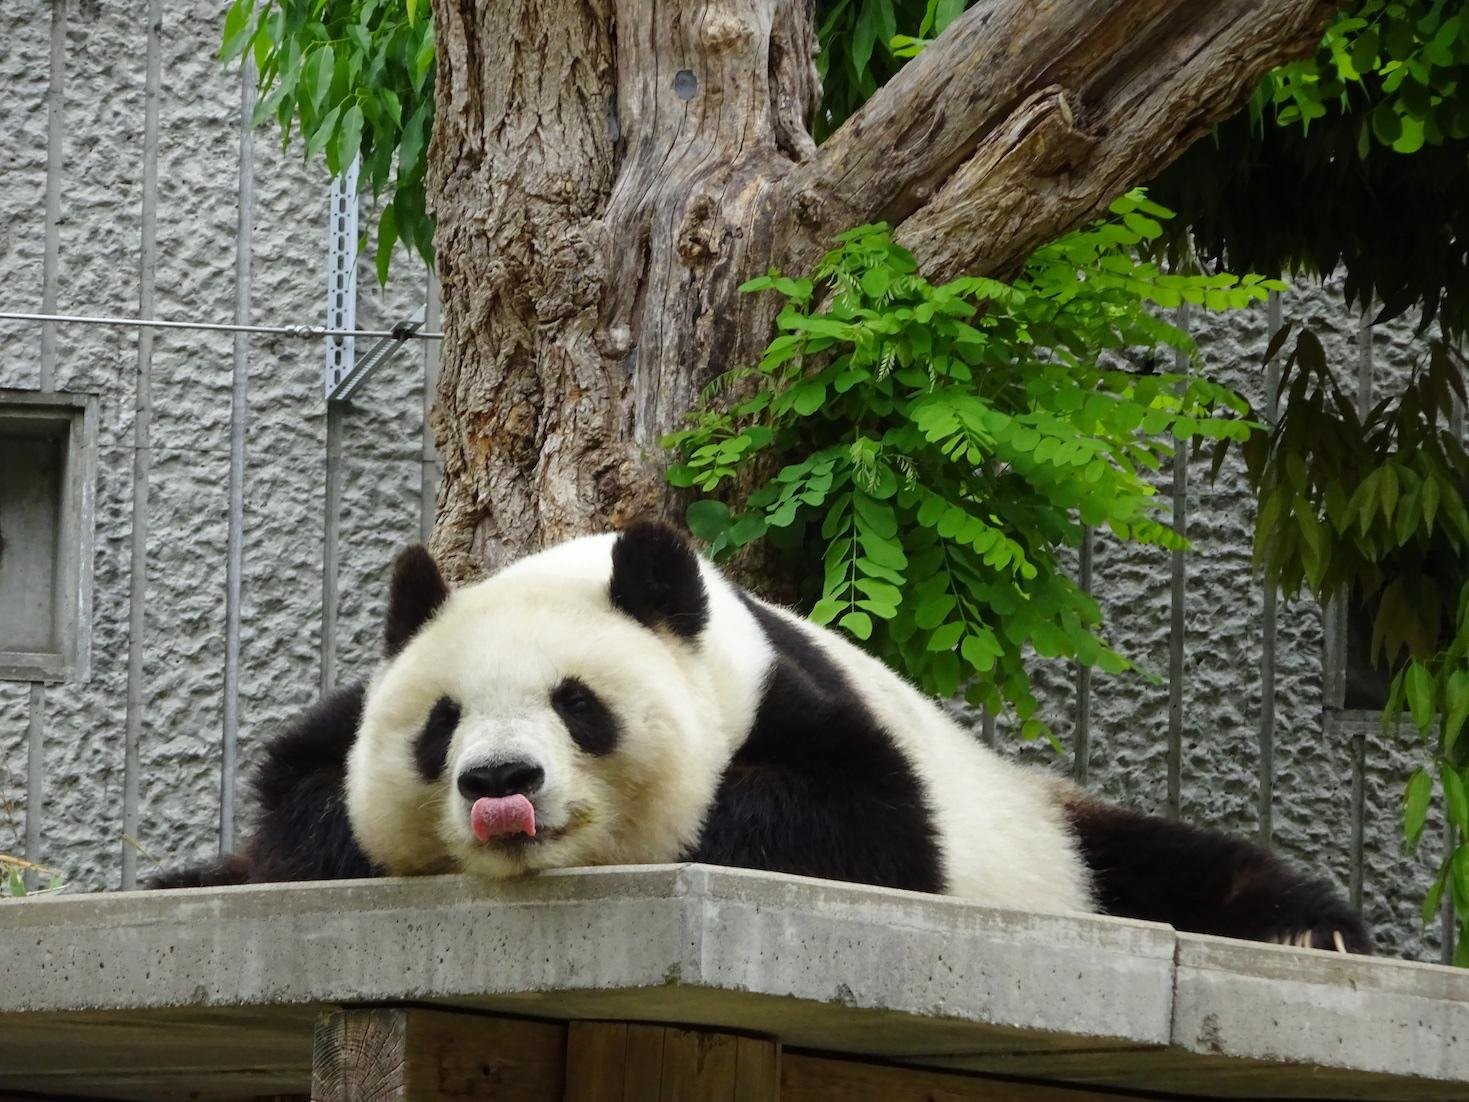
[1208, 882]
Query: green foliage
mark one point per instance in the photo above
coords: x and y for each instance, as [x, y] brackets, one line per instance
[863, 45]
[1409, 57]
[1435, 693]
[938, 447]
[12, 878]
[357, 76]
[1388, 79]
[1374, 509]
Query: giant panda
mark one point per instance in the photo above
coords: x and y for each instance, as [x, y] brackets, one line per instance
[617, 700]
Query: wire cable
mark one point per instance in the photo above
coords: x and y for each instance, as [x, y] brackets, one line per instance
[298, 332]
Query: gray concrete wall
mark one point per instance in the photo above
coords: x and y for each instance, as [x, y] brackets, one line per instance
[97, 244]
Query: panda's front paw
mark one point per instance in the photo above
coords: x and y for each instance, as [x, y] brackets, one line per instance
[1337, 938]
[1317, 919]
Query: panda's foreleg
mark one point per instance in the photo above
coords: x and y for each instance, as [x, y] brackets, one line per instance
[832, 824]
[1208, 882]
[300, 829]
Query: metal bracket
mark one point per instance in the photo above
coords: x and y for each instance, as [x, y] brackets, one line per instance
[341, 278]
[346, 383]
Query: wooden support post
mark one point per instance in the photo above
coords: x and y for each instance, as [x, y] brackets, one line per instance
[408, 1054]
[817, 1078]
[618, 1062]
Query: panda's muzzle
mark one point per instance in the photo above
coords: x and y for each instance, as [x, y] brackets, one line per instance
[520, 777]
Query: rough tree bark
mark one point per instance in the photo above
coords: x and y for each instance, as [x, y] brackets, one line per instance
[605, 174]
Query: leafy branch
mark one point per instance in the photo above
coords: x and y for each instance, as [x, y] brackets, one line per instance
[938, 447]
[1370, 508]
[357, 76]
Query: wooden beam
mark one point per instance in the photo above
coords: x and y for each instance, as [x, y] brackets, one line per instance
[419, 1055]
[619, 1062]
[817, 1078]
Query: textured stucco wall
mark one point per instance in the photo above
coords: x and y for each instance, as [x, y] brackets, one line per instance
[99, 251]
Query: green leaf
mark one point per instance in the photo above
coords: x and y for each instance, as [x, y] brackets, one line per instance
[237, 29]
[1457, 711]
[945, 637]
[932, 612]
[1418, 684]
[323, 133]
[387, 237]
[980, 652]
[349, 136]
[1455, 798]
[858, 624]
[319, 69]
[826, 609]
[1459, 878]
[415, 134]
[707, 520]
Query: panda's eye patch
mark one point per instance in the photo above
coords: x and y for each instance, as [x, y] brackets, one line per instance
[591, 724]
[431, 747]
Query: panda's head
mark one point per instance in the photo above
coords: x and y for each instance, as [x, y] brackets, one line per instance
[569, 710]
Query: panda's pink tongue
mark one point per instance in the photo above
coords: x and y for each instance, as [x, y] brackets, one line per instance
[499, 816]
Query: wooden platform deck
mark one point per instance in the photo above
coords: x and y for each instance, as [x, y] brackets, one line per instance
[702, 982]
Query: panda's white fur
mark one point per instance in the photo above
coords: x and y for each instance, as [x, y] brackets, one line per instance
[684, 707]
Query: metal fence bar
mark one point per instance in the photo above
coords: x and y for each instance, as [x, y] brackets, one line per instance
[331, 532]
[1177, 594]
[1269, 629]
[55, 168]
[428, 472]
[296, 332]
[1081, 745]
[50, 279]
[142, 459]
[1448, 929]
[1359, 737]
[239, 420]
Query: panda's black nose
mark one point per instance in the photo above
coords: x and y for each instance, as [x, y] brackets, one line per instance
[506, 778]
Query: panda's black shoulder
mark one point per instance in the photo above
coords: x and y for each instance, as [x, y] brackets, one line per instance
[301, 830]
[819, 787]
[311, 750]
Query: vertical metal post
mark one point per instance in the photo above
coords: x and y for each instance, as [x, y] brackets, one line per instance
[1448, 929]
[239, 420]
[428, 472]
[1269, 613]
[330, 534]
[1082, 743]
[55, 167]
[1359, 737]
[987, 727]
[50, 279]
[142, 424]
[341, 353]
[1176, 596]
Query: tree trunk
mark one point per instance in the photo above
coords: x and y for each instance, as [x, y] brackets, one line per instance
[606, 173]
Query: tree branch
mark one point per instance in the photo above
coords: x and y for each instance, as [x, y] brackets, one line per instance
[1026, 117]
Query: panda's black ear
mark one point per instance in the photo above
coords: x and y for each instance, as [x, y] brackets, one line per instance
[416, 593]
[656, 580]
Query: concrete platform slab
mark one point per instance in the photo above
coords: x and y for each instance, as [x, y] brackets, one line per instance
[211, 992]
